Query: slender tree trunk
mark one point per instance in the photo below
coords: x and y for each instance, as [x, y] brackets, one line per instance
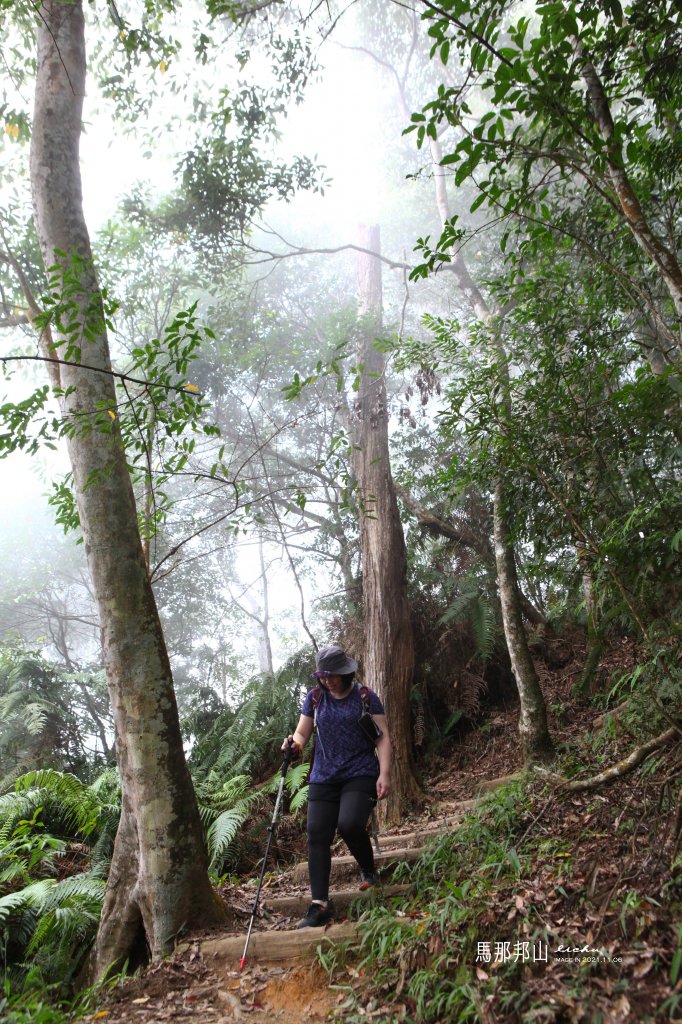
[533, 730]
[158, 883]
[663, 258]
[261, 616]
[266, 653]
[389, 645]
[536, 742]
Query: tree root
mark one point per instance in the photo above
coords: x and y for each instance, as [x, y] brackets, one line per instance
[616, 771]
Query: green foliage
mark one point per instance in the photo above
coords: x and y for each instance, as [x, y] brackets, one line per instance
[422, 960]
[46, 714]
[535, 116]
[65, 805]
[18, 1009]
[471, 605]
[51, 823]
[248, 739]
[224, 810]
[569, 389]
[583, 432]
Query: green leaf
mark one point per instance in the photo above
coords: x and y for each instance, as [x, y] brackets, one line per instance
[676, 965]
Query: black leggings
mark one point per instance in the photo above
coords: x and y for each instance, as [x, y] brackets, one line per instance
[346, 806]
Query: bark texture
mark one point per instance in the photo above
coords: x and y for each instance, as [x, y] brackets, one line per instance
[389, 645]
[158, 884]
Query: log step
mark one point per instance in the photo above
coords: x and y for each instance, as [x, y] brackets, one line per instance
[344, 868]
[490, 785]
[395, 840]
[273, 947]
[296, 906]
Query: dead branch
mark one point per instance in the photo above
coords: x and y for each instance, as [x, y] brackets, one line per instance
[616, 771]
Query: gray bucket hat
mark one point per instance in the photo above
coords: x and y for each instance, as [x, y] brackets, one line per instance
[335, 661]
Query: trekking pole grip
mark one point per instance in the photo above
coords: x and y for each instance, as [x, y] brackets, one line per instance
[289, 755]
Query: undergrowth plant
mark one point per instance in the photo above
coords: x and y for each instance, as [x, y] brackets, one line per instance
[246, 739]
[56, 840]
[420, 950]
[55, 845]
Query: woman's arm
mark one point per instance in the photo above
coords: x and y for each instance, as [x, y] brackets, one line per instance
[302, 734]
[383, 749]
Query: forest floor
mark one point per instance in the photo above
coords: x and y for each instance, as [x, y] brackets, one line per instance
[598, 876]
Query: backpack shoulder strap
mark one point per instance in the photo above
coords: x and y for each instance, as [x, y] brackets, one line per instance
[365, 694]
[316, 697]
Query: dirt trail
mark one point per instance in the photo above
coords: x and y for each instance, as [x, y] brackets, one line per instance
[184, 990]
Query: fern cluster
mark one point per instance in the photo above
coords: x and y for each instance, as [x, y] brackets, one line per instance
[246, 740]
[51, 823]
[48, 716]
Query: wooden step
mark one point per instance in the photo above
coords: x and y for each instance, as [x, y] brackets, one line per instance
[455, 806]
[296, 906]
[272, 947]
[393, 840]
[344, 868]
[489, 785]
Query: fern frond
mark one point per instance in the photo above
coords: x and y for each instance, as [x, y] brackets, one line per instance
[223, 832]
[297, 776]
[484, 627]
[34, 716]
[299, 800]
[61, 794]
[12, 903]
[107, 785]
[101, 852]
[234, 789]
[13, 871]
[82, 886]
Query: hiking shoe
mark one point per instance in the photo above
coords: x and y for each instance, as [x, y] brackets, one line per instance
[317, 916]
[369, 880]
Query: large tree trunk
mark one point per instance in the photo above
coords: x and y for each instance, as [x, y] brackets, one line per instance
[389, 645]
[158, 884]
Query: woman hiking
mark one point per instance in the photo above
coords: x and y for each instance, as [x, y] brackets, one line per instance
[350, 772]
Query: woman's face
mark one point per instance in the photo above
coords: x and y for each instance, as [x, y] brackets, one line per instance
[335, 684]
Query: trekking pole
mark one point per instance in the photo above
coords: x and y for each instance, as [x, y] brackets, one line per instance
[288, 758]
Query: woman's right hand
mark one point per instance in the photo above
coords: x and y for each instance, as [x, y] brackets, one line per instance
[290, 743]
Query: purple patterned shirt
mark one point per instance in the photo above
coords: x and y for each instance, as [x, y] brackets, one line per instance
[342, 750]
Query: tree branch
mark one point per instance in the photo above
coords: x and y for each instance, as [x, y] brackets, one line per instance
[616, 771]
[123, 377]
[297, 250]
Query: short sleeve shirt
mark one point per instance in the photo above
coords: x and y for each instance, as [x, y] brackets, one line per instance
[342, 750]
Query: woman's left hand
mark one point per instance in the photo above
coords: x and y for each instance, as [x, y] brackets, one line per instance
[383, 787]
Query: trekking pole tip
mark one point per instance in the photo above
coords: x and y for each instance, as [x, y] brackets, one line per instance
[241, 963]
